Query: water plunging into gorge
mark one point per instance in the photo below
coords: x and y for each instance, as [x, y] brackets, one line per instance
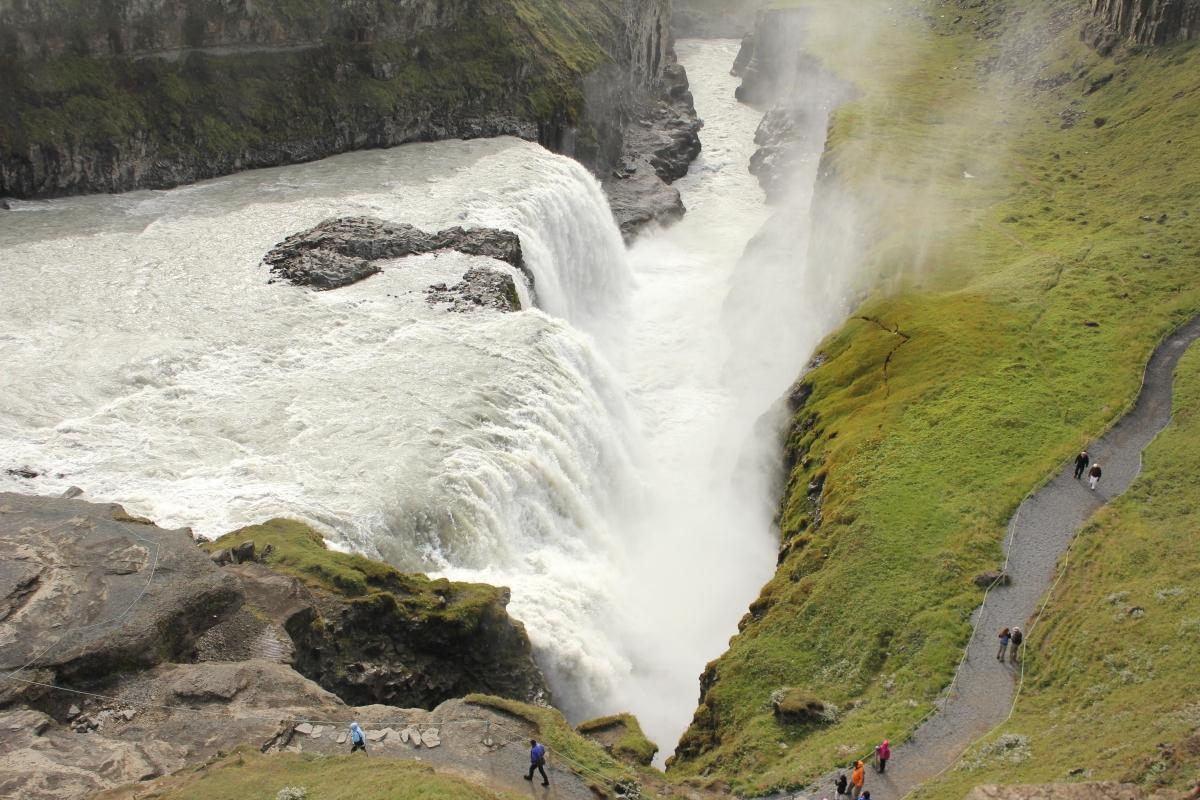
[600, 455]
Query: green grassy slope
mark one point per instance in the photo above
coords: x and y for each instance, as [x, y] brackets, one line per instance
[1010, 252]
[1112, 692]
[248, 775]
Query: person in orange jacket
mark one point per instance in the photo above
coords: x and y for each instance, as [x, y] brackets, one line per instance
[856, 780]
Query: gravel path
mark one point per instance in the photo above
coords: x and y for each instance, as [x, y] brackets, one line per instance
[1039, 534]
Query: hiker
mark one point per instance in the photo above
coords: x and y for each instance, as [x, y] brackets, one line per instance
[883, 751]
[1081, 463]
[1094, 476]
[537, 761]
[1017, 638]
[357, 740]
[856, 780]
[842, 784]
[1005, 638]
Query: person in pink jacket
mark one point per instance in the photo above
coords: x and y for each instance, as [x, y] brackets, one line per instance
[883, 752]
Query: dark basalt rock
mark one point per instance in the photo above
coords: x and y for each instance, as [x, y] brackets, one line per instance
[659, 147]
[1150, 22]
[480, 288]
[342, 251]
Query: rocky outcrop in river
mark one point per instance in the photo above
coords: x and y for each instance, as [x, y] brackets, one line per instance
[342, 251]
[1151, 22]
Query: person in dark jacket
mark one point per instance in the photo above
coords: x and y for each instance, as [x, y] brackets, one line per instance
[537, 761]
[1081, 463]
[1015, 646]
[842, 784]
[1094, 476]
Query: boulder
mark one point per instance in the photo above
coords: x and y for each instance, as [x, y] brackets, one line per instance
[244, 552]
[798, 707]
[480, 288]
[135, 595]
[986, 580]
[342, 251]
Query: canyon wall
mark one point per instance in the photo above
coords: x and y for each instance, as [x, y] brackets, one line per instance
[126, 94]
[1151, 22]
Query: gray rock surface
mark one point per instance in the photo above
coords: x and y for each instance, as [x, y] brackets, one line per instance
[1150, 22]
[660, 144]
[84, 591]
[342, 251]
[480, 288]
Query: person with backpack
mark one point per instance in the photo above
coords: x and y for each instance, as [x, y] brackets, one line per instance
[1094, 475]
[857, 778]
[1005, 638]
[357, 740]
[842, 784]
[537, 761]
[1017, 638]
[1081, 463]
[883, 751]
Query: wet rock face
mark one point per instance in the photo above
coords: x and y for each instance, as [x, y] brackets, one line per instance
[480, 288]
[660, 145]
[86, 590]
[371, 651]
[342, 251]
[1150, 22]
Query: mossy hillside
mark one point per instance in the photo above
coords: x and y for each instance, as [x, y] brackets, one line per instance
[1015, 294]
[1111, 687]
[514, 62]
[298, 550]
[621, 735]
[250, 775]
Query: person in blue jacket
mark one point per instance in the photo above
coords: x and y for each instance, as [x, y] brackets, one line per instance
[537, 761]
[357, 740]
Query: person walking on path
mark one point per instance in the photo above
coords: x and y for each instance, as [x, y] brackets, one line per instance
[857, 778]
[537, 761]
[1014, 650]
[1005, 638]
[1081, 463]
[1094, 475]
[883, 751]
[842, 784]
[357, 740]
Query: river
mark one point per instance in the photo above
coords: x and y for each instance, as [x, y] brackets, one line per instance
[595, 454]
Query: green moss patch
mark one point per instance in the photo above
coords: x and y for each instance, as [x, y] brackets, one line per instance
[298, 550]
[621, 735]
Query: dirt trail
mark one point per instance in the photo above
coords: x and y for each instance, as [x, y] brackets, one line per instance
[1039, 533]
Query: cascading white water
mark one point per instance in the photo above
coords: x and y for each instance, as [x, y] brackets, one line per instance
[148, 361]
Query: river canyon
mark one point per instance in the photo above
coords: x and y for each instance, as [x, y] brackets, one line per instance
[590, 453]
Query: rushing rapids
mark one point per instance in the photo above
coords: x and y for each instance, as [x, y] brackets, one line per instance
[583, 453]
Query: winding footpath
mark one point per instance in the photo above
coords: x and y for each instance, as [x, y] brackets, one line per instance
[1040, 532]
